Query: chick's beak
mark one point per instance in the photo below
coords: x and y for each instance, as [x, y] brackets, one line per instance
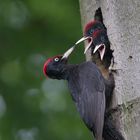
[101, 48]
[88, 46]
[69, 51]
[83, 39]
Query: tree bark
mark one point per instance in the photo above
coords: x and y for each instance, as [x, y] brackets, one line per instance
[122, 19]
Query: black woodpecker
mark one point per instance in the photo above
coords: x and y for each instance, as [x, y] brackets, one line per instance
[87, 88]
[96, 34]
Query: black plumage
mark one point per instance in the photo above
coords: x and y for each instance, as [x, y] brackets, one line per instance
[98, 15]
[88, 91]
[87, 87]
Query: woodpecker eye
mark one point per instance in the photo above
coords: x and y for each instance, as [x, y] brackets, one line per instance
[56, 59]
[91, 31]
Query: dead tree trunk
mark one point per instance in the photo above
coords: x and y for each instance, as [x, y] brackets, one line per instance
[122, 19]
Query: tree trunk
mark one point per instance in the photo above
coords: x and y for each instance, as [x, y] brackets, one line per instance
[122, 19]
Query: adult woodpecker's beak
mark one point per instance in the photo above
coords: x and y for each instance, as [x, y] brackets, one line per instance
[83, 39]
[68, 52]
[101, 48]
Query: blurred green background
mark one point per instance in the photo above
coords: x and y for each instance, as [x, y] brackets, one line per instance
[31, 106]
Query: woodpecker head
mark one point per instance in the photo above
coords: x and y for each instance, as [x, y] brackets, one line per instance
[92, 32]
[55, 67]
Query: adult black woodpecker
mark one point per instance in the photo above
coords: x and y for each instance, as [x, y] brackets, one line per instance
[87, 88]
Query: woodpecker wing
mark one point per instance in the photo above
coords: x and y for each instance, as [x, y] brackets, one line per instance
[88, 91]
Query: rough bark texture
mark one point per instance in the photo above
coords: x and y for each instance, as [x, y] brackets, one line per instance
[122, 19]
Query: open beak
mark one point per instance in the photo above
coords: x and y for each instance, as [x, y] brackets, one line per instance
[89, 45]
[68, 52]
[101, 48]
[83, 39]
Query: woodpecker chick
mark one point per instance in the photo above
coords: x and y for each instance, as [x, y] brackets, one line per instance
[96, 34]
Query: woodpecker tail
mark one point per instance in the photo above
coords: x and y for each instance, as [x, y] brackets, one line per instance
[98, 15]
[110, 132]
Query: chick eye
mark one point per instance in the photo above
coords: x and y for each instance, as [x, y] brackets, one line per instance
[56, 59]
[91, 31]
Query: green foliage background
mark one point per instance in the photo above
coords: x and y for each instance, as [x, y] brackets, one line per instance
[31, 106]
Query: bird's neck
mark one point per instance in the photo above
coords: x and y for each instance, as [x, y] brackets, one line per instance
[65, 71]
